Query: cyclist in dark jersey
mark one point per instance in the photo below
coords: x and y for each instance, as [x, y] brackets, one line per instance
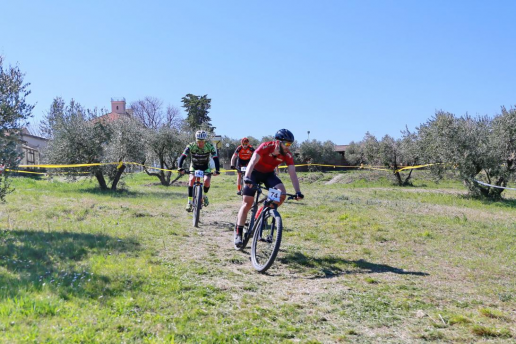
[200, 152]
[261, 170]
[243, 154]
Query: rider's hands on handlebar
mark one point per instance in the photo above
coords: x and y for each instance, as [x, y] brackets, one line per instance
[181, 170]
[233, 167]
[248, 180]
[299, 195]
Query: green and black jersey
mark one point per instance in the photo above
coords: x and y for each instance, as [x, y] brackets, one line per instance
[200, 156]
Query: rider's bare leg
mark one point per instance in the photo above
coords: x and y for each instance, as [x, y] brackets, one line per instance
[247, 203]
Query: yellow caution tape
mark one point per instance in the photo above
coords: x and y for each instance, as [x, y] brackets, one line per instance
[415, 167]
[18, 171]
[121, 163]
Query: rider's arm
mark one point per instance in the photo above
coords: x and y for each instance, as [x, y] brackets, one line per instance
[293, 177]
[215, 158]
[254, 160]
[233, 159]
[217, 163]
[183, 157]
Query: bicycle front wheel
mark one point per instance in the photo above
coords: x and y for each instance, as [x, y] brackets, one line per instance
[197, 204]
[266, 240]
[242, 185]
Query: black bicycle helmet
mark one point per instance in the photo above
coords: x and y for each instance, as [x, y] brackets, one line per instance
[284, 135]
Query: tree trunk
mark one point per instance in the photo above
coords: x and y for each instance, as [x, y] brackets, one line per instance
[398, 178]
[117, 177]
[101, 180]
[163, 179]
[406, 182]
[179, 175]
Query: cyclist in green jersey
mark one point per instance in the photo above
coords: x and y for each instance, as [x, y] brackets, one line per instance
[200, 152]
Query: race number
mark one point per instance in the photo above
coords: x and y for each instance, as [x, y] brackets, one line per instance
[243, 168]
[199, 173]
[274, 194]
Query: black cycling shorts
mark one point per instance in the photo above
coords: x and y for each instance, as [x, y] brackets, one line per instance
[205, 168]
[270, 179]
[243, 162]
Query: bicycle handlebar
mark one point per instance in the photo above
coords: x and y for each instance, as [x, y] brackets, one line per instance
[206, 174]
[290, 196]
[192, 172]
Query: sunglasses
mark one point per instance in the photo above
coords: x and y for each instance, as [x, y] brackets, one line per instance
[288, 144]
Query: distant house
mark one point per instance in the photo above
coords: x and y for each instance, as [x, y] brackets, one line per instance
[341, 149]
[32, 147]
[118, 110]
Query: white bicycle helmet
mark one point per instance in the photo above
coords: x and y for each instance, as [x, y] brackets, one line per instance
[201, 135]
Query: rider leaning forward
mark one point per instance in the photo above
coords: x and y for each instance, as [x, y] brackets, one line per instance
[261, 170]
[243, 154]
[200, 152]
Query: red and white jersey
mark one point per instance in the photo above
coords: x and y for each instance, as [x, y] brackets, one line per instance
[268, 162]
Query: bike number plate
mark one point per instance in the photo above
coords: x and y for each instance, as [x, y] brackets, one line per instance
[199, 173]
[243, 168]
[274, 194]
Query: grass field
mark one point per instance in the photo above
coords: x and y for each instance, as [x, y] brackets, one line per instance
[361, 261]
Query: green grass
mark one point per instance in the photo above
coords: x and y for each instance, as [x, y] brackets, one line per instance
[361, 261]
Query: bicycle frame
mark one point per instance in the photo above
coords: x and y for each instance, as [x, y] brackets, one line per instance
[197, 194]
[267, 232]
[255, 216]
[241, 171]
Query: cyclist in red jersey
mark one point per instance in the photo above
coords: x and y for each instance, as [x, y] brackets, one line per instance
[261, 170]
[243, 153]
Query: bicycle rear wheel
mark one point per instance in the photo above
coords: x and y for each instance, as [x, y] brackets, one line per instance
[266, 240]
[197, 204]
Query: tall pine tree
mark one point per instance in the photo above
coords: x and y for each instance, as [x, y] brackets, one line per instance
[197, 111]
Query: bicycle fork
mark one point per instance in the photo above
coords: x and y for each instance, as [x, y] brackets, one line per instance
[270, 235]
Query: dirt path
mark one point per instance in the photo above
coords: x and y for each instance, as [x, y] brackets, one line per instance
[212, 244]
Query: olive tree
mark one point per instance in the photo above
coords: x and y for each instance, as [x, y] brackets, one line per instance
[391, 156]
[126, 144]
[164, 146]
[14, 113]
[466, 143]
[370, 149]
[390, 153]
[355, 154]
[77, 136]
[503, 145]
[317, 152]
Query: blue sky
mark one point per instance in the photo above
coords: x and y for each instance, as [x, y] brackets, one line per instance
[334, 68]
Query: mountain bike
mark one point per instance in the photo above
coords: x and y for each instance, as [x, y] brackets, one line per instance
[197, 194]
[242, 170]
[266, 227]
